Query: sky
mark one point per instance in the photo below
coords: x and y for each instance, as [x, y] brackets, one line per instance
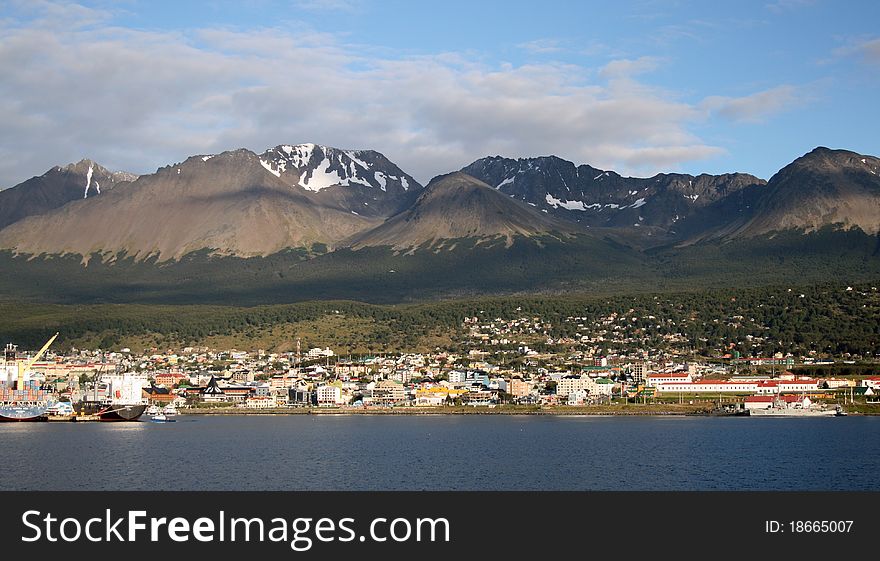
[639, 87]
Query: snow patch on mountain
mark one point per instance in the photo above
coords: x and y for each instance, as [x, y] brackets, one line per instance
[505, 182]
[88, 181]
[381, 179]
[268, 167]
[568, 205]
[637, 204]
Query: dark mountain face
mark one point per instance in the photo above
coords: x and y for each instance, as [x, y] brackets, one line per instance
[361, 181]
[334, 223]
[457, 206]
[603, 198]
[824, 188]
[57, 187]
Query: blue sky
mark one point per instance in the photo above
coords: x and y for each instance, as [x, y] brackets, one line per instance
[639, 87]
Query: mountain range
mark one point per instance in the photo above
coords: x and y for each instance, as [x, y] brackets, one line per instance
[302, 221]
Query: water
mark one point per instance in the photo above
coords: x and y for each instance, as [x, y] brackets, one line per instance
[444, 452]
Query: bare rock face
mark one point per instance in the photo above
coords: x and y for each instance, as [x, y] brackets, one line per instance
[601, 198]
[457, 206]
[57, 187]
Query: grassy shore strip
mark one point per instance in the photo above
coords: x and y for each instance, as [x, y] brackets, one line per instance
[514, 410]
[598, 410]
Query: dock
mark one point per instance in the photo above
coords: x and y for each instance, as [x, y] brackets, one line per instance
[85, 418]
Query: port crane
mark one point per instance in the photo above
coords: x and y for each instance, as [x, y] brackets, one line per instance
[33, 360]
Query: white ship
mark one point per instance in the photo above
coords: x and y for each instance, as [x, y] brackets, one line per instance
[801, 408]
[115, 397]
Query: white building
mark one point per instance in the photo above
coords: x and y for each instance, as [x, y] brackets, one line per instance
[873, 382]
[578, 397]
[318, 352]
[708, 386]
[329, 396]
[566, 385]
[456, 376]
[259, 402]
[655, 378]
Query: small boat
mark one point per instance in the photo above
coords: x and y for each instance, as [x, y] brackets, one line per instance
[152, 410]
[169, 410]
[730, 410]
[161, 418]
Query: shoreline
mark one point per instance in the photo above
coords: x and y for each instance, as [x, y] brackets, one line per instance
[598, 411]
[402, 411]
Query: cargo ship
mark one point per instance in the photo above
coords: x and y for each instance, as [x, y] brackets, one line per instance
[115, 397]
[21, 396]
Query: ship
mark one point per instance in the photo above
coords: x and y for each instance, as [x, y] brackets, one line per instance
[22, 398]
[801, 408]
[115, 397]
[730, 410]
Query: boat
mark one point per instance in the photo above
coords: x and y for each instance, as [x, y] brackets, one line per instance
[730, 410]
[115, 397]
[169, 410]
[60, 409]
[161, 418]
[21, 396]
[152, 410]
[800, 408]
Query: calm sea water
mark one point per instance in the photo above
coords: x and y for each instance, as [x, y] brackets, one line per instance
[443, 452]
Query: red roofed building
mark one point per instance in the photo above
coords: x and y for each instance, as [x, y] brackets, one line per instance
[708, 386]
[169, 379]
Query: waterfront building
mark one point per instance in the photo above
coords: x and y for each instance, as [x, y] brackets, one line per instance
[516, 387]
[259, 402]
[387, 393]
[329, 396]
[568, 384]
[708, 386]
[655, 378]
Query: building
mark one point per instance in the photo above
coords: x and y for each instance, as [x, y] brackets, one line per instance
[432, 397]
[516, 387]
[259, 402]
[318, 352]
[568, 384]
[387, 393]
[480, 398]
[654, 378]
[708, 386]
[329, 396]
[638, 372]
[835, 383]
[169, 379]
[456, 377]
[158, 395]
[578, 397]
[872, 382]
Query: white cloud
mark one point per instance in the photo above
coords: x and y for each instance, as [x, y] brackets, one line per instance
[541, 46]
[868, 49]
[780, 6]
[327, 5]
[138, 100]
[626, 68]
[756, 107]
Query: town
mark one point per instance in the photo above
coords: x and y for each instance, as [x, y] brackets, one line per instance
[500, 370]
